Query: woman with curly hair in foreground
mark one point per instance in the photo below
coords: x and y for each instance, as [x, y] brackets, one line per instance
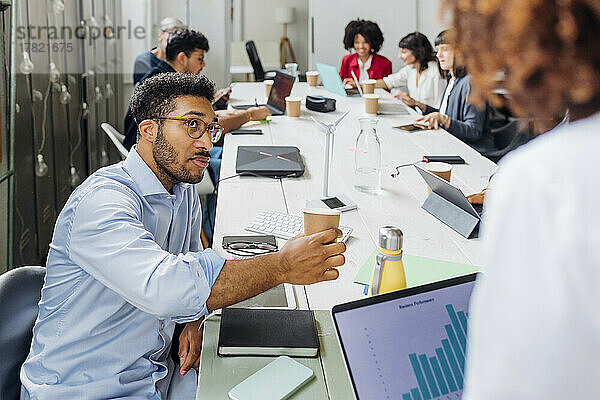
[534, 325]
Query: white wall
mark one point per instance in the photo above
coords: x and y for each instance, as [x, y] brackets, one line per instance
[428, 21]
[395, 19]
[259, 24]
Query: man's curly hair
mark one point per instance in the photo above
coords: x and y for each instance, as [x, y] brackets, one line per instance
[155, 96]
[549, 51]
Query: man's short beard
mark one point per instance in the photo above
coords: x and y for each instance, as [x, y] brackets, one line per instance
[165, 156]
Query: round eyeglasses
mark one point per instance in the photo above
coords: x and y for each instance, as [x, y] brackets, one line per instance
[196, 127]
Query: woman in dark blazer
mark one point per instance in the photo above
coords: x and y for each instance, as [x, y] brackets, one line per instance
[455, 113]
[366, 39]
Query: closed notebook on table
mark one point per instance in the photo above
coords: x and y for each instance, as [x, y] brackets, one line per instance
[263, 332]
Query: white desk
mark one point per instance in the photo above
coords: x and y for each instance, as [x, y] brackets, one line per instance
[241, 198]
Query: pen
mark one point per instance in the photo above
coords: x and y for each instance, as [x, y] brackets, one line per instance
[356, 82]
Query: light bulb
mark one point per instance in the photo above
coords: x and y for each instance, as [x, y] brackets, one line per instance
[92, 22]
[58, 6]
[26, 65]
[65, 96]
[41, 168]
[104, 157]
[37, 96]
[85, 111]
[98, 97]
[74, 178]
[109, 91]
[54, 73]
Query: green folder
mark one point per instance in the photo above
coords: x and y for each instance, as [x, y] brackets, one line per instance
[419, 270]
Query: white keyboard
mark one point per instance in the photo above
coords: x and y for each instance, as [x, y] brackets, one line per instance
[283, 225]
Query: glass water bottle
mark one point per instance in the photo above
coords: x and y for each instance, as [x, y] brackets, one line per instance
[367, 157]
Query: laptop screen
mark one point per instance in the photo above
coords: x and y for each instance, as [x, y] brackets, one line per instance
[282, 87]
[410, 347]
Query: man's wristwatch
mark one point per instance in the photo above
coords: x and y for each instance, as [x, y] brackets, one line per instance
[249, 116]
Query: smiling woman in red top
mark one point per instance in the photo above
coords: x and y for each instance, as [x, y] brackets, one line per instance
[366, 39]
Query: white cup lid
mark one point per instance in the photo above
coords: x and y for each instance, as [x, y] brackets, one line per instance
[371, 96]
[371, 81]
[322, 211]
[292, 98]
[438, 167]
[268, 81]
[312, 72]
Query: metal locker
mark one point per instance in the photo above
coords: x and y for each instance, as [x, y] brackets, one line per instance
[76, 109]
[60, 125]
[25, 239]
[42, 125]
[100, 69]
[88, 20]
[109, 94]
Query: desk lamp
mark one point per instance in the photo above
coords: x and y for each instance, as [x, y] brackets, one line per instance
[339, 201]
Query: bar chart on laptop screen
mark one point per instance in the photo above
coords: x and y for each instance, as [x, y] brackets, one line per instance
[410, 349]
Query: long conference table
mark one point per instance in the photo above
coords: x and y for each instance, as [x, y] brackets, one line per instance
[240, 199]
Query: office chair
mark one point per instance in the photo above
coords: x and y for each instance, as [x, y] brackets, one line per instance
[506, 139]
[20, 291]
[116, 137]
[259, 74]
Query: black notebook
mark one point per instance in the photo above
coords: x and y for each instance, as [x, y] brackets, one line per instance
[263, 332]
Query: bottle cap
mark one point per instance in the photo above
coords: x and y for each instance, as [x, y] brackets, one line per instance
[390, 238]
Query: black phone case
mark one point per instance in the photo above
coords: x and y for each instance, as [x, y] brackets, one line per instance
[446, 159]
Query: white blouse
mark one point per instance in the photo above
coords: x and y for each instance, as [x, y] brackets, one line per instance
[431, 84]
[364, 69]
[534, 329]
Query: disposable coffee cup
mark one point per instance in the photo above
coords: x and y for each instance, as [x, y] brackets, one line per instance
[368, 86]
[320, 219]
[443, 170]
[312, 77]
[292, 106]
[268, 84]
[371, 103]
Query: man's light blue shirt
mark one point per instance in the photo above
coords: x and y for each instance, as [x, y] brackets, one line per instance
[125, 264]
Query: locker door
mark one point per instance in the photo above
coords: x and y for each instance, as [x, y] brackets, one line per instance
[109, 92]
[90, 123]
[100, 89]
[75, 109]
[60, 125]
[42, 124]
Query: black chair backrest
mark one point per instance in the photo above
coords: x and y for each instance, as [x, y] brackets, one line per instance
[20, 291]
[505, 135]
[259, 72]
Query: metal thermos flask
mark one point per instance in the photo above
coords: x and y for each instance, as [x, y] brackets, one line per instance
[388, 272]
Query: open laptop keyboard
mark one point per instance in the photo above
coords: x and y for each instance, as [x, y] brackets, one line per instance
[283, 225]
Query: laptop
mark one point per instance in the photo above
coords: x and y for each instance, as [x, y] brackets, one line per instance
[409, 344]
[271, 161]
[332, 81]
[282, 87]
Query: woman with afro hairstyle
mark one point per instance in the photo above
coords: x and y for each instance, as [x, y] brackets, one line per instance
[365, 38]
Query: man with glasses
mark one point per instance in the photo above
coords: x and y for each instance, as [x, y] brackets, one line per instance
[126, 262]
[185, 52]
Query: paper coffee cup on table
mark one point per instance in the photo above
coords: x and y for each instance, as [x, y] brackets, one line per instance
[268, 85]
[371, 103]
[312, 77]
[292, 106]
[443, 170]
[368, 86]
[320, 219]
